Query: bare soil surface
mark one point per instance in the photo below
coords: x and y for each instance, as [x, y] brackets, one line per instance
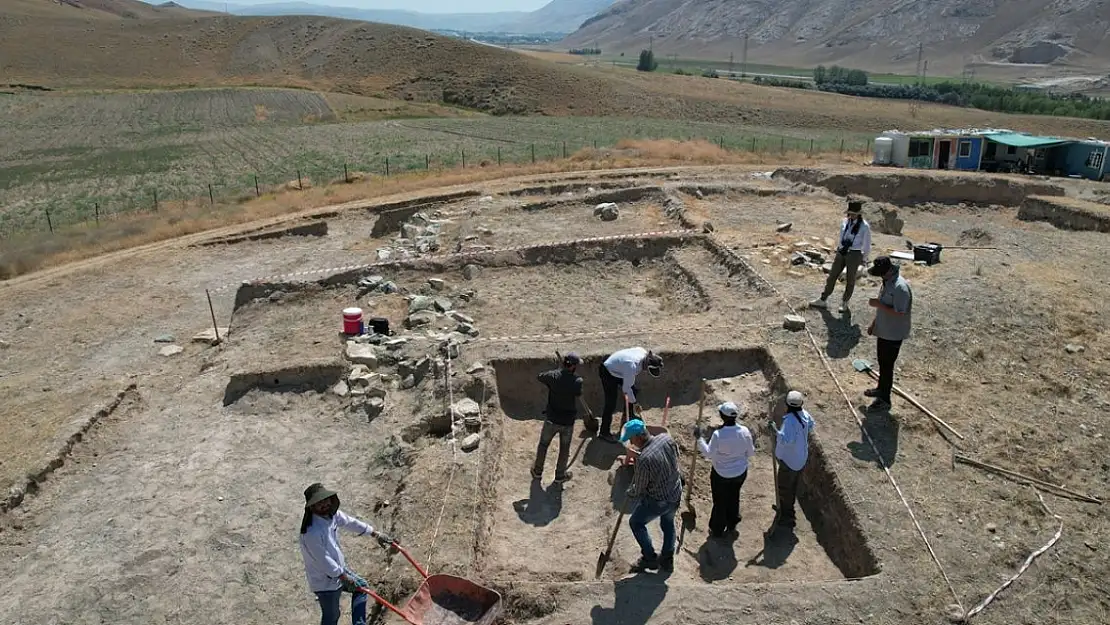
[175, 507]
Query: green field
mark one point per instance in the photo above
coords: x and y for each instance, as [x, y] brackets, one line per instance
[697, 66]
[70, 156]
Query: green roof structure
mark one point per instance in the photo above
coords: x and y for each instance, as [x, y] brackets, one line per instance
[1019, 140]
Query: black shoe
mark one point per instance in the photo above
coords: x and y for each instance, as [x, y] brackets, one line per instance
[537, 475]
[871, 392]
[666, 562]
[559, 479]
[879, 405]
[646, 564]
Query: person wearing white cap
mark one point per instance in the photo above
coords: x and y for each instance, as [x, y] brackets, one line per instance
[792, 451]
[729, 449]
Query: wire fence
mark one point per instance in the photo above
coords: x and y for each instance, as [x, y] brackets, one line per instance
[298, 176]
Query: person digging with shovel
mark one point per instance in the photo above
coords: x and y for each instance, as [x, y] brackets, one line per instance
[564, 387]
[791, 452]
[618, 372]
[324, 565]
[657, 483]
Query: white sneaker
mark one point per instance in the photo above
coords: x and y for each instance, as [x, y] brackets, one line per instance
[818, 303]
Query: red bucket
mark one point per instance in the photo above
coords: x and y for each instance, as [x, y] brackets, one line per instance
[352, 321]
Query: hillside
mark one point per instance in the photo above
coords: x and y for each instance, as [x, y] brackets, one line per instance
[95, 9]
[865, 33]
[557, 16]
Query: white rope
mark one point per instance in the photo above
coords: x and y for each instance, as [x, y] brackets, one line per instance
[1028, 561]
[454, 458]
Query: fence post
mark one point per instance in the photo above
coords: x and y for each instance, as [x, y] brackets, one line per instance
[498, 156]
[96, 213]
[869, 145]
[595, 144]
[257, 192]
[811, 147]
[211, 195]
[156, 200]
[49, 223]
[387, 167]
[564, 149]
[300, 185]
[346, 176]
[753, 144]
[842, 146]
[533, 153]
[427, 162]
[782, 145]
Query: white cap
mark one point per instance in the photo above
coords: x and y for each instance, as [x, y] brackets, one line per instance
[729, 409]
[795, 399]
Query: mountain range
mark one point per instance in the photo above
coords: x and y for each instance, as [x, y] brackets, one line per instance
[867, 33]
[558, 16]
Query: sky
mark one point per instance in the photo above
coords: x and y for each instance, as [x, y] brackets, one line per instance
[424, 6]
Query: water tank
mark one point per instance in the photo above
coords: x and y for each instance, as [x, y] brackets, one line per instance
[884, 147]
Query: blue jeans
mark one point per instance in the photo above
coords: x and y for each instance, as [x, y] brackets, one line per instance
[647, 510]
[329, 607]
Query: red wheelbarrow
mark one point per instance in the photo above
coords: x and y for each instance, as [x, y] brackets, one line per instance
[444, 600]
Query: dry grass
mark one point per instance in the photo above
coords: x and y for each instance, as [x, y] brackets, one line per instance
[37, 251]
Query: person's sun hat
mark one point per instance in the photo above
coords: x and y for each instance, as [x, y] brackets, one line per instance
[316, 493]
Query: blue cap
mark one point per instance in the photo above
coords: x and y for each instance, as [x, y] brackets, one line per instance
[634, 427]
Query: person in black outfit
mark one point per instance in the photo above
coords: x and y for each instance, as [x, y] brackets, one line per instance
[564, 387]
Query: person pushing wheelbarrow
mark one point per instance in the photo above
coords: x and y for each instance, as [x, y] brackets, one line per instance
[324, 564]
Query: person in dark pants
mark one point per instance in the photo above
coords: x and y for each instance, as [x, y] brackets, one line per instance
[729, 449]
[893, 310]
[564, 387]
[853, 248]
[792, 452]
[618, 372]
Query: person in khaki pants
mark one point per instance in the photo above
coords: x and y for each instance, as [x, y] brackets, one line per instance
[852, 250]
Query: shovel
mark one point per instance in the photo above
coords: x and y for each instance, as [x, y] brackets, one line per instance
[604, 556]
[864, 366]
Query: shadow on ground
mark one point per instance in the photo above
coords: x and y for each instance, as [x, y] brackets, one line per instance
[637, 598]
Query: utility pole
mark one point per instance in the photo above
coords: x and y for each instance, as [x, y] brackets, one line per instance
[651, 44]
[920, 51]
[744, 63]
[730, 64]
[924, 71]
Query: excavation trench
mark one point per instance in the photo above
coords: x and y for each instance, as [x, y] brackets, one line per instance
[831, 545]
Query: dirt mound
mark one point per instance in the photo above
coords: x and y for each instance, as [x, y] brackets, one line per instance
[975, 236]
[905, 188]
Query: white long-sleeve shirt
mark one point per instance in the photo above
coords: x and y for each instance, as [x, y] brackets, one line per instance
[626, 364]
[729, 449]
[323, 559]
[792, 441]
[860, 241]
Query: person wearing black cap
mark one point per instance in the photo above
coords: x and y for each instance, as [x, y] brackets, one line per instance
[324, 565]
[893, 310]
[618, 372]
[564, 387]
[852, 250]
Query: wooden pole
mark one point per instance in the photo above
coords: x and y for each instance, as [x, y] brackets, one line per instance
[694, 456]
[156, 200]
[464, 158]
[49, 223]
[300, 185]
[346, 176]
[1032, 480]
[387, 167]
[906, 396]
[211, 195]
[212, 311]
[257, 192]
[96, 213]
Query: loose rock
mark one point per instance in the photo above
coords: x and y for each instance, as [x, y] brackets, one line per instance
[165, 338]
[476, 368]
[464, 408]
[341, 389]
[470, 271]
[442, 304]
[460, 317]
[384, 254]
[437, 283]
[362, 354]
[209, 336]
[1074, 349]
[419, 319]
[374, 407]
[171, 350]
[421, 302]
[794, 323]
[784, 227]
[470, 443]
[408, 382]
[707, 227]
[607, 211]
